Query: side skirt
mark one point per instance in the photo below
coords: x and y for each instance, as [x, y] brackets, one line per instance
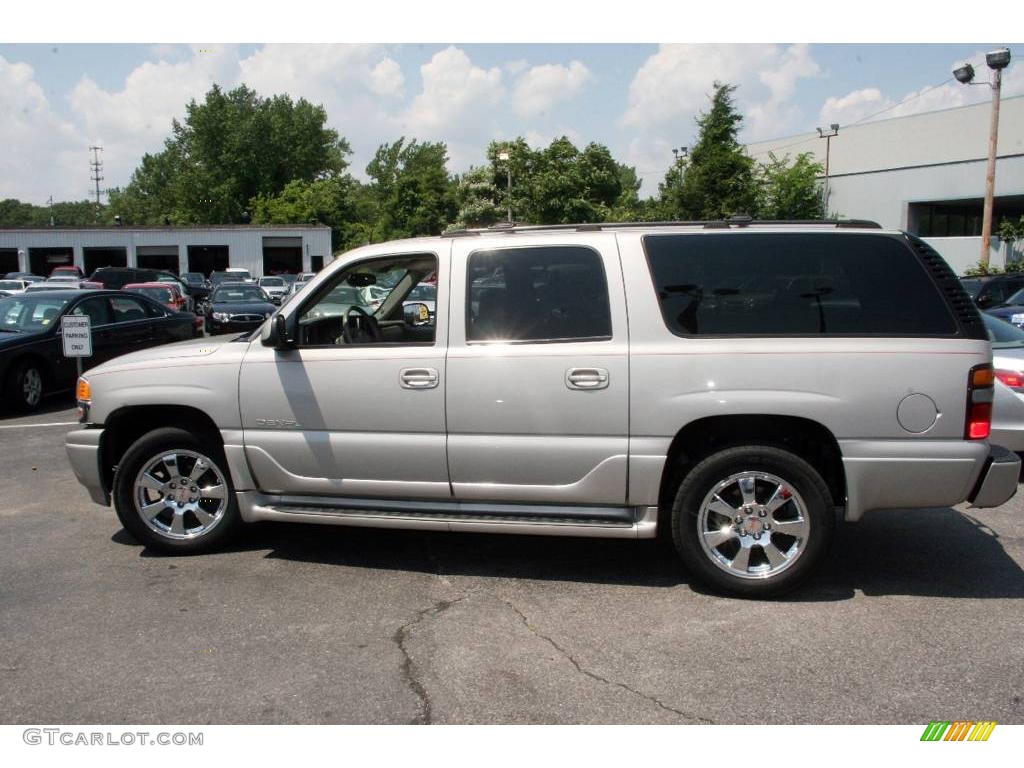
[542, 520]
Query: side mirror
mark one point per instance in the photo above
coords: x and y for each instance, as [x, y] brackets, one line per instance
[985, 301]
[275, 333]
[416, 313]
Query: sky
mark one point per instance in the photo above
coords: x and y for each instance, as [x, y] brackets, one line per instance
[57, 100]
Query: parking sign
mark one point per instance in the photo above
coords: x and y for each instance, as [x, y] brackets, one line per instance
[77, 335]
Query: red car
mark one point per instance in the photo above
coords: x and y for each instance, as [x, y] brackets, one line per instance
[74, 271]
[170, 295]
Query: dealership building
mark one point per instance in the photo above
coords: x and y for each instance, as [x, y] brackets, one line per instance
[261, 249]
[924, 173]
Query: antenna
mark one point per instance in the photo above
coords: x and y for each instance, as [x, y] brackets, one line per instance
[96, 164]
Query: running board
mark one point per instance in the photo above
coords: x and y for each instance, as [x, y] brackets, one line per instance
[544, 520]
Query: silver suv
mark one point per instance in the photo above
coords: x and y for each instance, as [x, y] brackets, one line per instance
[731, 383]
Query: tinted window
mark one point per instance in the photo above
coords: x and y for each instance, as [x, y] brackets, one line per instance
[800, 283]
[238, 293]
[973, 287]
[126, 309]
[537, 294]
[96, 309]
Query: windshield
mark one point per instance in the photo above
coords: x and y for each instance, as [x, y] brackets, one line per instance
[240, 274]
[1002, 334]
[972, 286]
[10, 285]
[423, 292]
[276, 282]
[163, 295]
[238, 293]
[29, 313]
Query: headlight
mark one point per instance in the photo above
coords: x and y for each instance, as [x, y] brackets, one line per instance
[267, 314]
[222, 316]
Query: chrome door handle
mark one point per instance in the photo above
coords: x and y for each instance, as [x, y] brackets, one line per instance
[417, 378]
[586, 378]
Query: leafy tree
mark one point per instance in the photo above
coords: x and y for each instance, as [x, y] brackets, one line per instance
[477, 197]
[230, 148]
[331, 201]
[718, 181]
[83, 213]
[790, 190]
[412, 190]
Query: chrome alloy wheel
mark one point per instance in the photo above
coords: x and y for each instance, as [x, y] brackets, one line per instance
[32, 386]
[753, 525]
[181, 494]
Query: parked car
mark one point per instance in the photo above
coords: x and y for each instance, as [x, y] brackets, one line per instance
[236, 307]
[619, 381]
[239, 274]
[1011, 309]
[992, 290]
[59, 284]
[32, 364]
[118, 277]
[69, 271]
[168, 294]
[1008, 403]
[275, 287]
[14, 285]
[305, 277]
[26, 276]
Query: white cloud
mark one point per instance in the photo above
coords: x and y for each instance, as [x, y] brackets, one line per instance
[542, 87]
[386, 79]
[44, 153]
[673, 86]
[452, 87]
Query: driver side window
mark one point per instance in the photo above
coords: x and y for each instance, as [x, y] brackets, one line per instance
[388, 300]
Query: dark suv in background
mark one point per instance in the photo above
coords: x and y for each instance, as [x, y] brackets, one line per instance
[992, 290]
[115, 278]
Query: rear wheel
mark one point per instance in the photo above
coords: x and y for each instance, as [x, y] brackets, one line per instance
[173, 492]
[25, 386]
[753, 521]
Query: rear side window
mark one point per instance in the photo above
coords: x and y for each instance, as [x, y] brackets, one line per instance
[537, 294]
[805, 284]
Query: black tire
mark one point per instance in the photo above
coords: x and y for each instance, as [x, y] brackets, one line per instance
[142, 452]
[15, 390]
[797, 474]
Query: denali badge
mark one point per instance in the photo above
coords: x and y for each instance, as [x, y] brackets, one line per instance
[277, 423]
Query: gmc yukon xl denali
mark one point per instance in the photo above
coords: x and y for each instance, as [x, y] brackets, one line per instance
[734, 384]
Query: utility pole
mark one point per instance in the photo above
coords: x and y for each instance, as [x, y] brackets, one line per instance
[97, 173]
[997, 61]
[50, 201]
[680, 154]
[828, 151]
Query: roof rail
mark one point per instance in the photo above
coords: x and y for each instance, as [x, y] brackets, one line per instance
[731, 222]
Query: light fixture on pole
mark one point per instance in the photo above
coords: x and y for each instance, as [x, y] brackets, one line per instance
[680, 154]
[506, 158]
[827, 136]
[997, 61]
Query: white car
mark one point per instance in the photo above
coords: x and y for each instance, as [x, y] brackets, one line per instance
[275, 287]
[14, 286]
[240, 274]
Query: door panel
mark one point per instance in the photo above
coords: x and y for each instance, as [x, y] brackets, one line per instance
[537, 421]
[342, 420]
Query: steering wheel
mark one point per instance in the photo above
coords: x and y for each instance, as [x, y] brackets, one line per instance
[365, 323]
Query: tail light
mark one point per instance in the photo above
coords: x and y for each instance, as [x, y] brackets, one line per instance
[980, 383]
[1013, 379]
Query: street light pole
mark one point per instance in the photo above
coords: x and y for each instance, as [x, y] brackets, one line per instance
[507, 159]
[828, 151]
[680, 154]
[997, 61]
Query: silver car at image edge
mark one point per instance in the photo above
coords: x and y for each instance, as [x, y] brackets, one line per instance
[732, 384]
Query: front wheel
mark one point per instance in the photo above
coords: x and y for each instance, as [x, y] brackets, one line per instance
[173, 493]
[753, 521]
[25, 386]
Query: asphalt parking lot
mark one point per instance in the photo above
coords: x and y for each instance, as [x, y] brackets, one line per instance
[918, 616]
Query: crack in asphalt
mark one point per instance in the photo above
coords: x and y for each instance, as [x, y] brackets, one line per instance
[408, 667]
[594, 676]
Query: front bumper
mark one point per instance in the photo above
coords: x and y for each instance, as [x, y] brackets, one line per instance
[998, 481]
[214, 327]
[84, 447]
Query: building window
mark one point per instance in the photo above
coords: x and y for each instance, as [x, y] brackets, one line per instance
[961, 218]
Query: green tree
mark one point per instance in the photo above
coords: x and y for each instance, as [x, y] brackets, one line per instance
[790, 190]
[477, 196]
[331, 201]
[411, 188]
[82, 213]
[718, 181]
[231, 148]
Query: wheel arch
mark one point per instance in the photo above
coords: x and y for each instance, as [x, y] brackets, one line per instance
[126, 425]
[808, 439]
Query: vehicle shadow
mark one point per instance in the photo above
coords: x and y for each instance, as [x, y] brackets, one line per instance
[60, 401]
[932, 553]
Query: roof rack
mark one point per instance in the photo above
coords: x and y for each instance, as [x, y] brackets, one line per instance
[730, 223]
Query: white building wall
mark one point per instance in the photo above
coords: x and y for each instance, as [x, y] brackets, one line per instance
[245, 244]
